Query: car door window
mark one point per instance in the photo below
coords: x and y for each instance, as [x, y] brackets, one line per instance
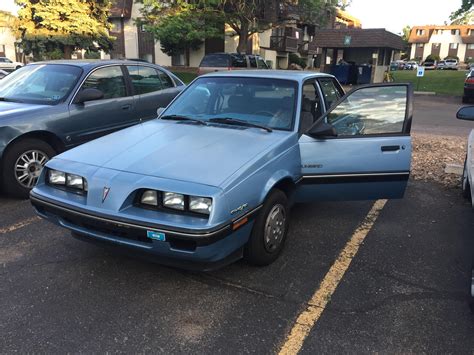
[330, 91]
[371, 111]
[144, 79]
[109, 80]
[311, 108]
[166, 81]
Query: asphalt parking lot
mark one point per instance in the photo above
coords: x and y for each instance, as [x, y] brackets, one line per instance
[406, 289]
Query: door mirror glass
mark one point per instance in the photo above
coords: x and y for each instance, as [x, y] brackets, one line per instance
[159, 111]
[466, 113]
[380, 109]
[88, 95]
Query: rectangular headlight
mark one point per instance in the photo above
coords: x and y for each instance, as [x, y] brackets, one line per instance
[75, 181]
[173, 200]
[150, 198]
[200, 204]
[56, 177]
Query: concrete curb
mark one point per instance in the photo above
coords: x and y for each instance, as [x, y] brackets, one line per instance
[424, 93]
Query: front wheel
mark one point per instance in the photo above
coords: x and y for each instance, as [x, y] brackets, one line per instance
[22, 166]
[269, 231]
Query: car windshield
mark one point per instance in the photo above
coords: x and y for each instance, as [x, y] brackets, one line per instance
[40, 83]
[259, 101]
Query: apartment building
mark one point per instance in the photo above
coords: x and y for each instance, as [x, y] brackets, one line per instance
[443, 41]
[274, 45]
[8, 47]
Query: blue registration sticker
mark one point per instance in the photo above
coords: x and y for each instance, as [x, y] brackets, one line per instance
[156, 235]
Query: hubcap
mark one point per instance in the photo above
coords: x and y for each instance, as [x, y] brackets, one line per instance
[28, 167]
[275, 228]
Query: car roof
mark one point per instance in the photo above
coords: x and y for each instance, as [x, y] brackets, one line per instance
[92, 63]
[297, 75]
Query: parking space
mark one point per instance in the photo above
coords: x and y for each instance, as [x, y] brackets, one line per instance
[406, 289]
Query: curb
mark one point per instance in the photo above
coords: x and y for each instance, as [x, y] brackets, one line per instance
[424, 93]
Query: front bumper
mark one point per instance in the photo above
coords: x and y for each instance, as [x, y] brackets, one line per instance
[202, 250]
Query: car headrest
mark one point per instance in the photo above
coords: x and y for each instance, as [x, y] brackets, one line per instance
[306, 105]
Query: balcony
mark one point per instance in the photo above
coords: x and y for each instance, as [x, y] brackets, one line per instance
[309, 48]
[284, 43]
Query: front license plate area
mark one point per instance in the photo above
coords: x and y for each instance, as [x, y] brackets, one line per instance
[161, 237]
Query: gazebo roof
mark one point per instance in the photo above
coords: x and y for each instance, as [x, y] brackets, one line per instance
[357, 38]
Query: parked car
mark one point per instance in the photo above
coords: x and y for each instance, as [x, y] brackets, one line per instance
[230, 61]
[441, 65]
[468, 87]
[410, 65]
[447, 64]
[467, 113]
[49, 107]
[397, 65]
[3, 74]
[430, 65]
[213, 179]
[8, 65]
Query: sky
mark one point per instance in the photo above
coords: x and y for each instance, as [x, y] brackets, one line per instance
[393, 15]
[390, 14]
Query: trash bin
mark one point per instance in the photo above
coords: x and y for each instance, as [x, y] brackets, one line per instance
[364, 74]
[342, 73]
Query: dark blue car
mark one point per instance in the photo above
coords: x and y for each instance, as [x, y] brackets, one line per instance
[49, 107]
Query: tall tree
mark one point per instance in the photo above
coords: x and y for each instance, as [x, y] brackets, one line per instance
[463, 15]
[181, 26]
[48, 26]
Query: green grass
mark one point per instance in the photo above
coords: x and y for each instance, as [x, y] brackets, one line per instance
[185, 76]
[444, 82]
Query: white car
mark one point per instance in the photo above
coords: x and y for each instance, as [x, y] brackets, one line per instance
[467, 113]
[7, 64]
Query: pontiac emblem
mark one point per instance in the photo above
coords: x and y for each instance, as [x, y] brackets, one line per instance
[105, 193]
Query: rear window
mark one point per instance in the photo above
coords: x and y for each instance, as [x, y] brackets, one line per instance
[238, 61]
[215, 60]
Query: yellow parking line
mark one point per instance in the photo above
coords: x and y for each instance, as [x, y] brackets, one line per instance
[308, 318]
[19, 225]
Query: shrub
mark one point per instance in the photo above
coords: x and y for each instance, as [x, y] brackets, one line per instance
[432, 58]
[294, 58]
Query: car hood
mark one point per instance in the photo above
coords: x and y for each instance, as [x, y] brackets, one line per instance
[177, 150]
[8, 109]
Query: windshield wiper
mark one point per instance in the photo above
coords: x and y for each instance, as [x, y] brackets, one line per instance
[183, 118]
[6, 99]
[234, 121]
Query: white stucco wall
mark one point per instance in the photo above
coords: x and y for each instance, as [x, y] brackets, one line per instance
[7, 39]
[160, 57]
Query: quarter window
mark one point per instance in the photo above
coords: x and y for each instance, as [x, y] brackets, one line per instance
[261, 64]
[330, 91]
[165, 80]
[109, 80]
[253, 62]
[144, 79]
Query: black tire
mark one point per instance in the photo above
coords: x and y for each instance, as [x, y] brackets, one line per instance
[11, 185]
[466, 187]
[18, 67]
[258, 251]
[465, 100]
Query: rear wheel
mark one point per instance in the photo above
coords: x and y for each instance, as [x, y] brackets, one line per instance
[22, 166]
[269, 231]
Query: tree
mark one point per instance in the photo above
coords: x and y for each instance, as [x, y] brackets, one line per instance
[463, 15]
[181, 26]
[52, 26]
[405, 37]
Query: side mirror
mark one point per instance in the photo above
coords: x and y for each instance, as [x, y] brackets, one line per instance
[466, 113]
[90, 94]
[159, 111]
[321, 130]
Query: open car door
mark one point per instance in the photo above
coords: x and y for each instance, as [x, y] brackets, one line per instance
[361, 148]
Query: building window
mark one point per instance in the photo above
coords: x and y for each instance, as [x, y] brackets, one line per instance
[455, 32]
[420, 32]
[470, 32]
[420, 45]
[436, 45]
[470, 46]
[116, 26]
[453, 45]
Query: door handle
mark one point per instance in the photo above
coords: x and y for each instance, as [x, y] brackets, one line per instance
[390, 148]
[126, 107]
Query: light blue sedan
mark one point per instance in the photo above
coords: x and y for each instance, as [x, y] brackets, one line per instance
[213, 178]
[467, 113]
